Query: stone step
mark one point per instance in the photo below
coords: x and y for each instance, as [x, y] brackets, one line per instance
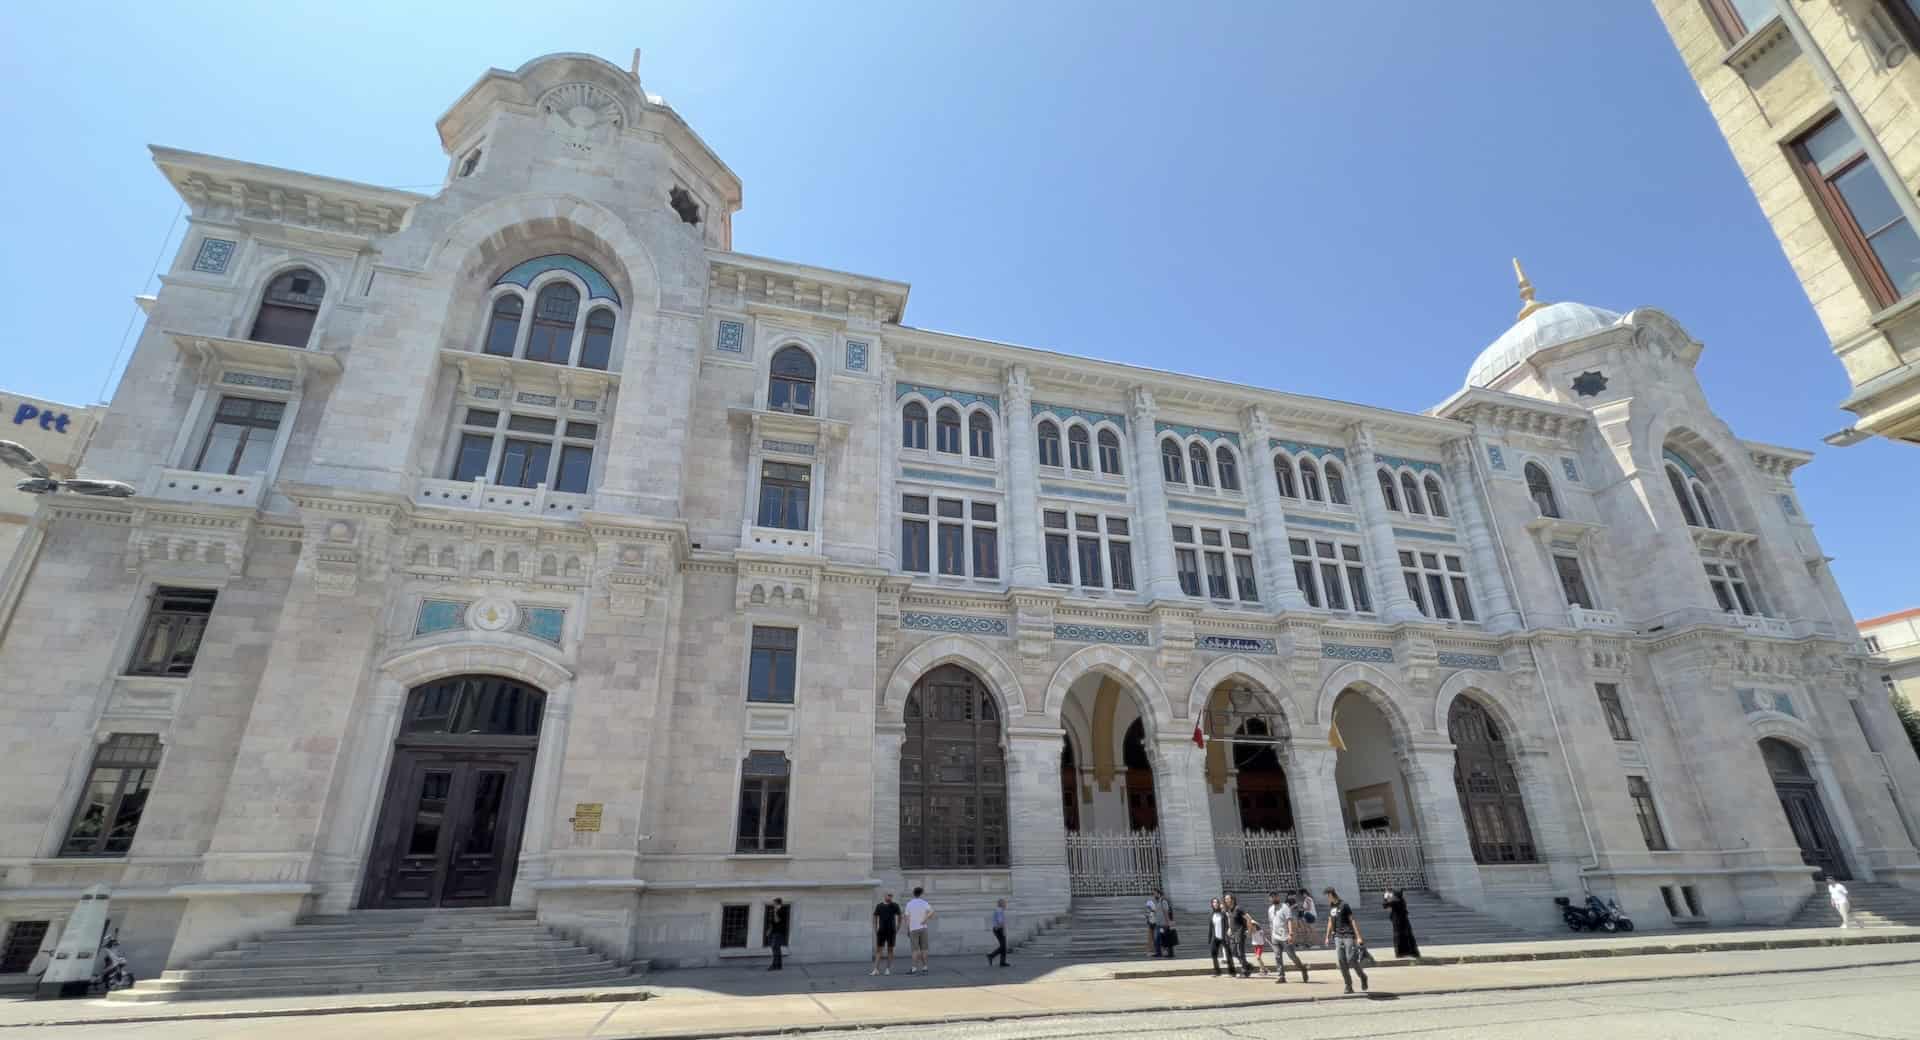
[364, 967]
[561, 980]
[452, 943]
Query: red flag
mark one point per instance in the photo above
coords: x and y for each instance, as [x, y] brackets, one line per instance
[1199, 738]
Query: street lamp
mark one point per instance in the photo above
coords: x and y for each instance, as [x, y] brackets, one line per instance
[40, 480]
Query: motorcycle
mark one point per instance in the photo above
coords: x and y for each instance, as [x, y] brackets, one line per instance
[1594, 916]
[112, 966]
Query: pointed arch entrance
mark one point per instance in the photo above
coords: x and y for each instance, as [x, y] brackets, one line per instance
[1113, 834]
[456, 799]
[1799, 795]
[1248, 747]
[1488, 786]
[1376, 799]
[953, 774]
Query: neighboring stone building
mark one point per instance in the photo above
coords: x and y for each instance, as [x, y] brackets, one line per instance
[58, 434]
[1818, 102]
[1895, 639]
[524, 543]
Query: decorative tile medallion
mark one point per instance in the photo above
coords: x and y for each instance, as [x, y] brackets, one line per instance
[1495, 458]
[487, 393]
[936, 394]
[1064, 412]
[1480, 662]
[1198, 431]
[543, 623]
[733, 337]
[960, 623]
[439, 615]
[788, 447]
[1318, 451]
[1345, 652]
[1589, 384]
[213, 256]
[1567, 467]
[538, 400]
[263, 382]
[1235, 644]
[1100, 634]
[1787, 506]
[856, 356]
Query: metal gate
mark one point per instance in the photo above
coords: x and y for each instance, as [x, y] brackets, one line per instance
[1258, 861]
[1117, 864]
[1387, 859]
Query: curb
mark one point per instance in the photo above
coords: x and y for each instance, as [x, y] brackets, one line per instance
[520, 1000]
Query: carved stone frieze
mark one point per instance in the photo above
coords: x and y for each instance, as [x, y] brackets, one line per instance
[214, 538]
[778, 583]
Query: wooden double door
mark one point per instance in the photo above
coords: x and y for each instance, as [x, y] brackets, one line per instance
[1819, 848]
[449, 831]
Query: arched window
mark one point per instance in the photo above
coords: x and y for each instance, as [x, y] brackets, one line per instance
[1436, 502]
[913, 426]
[1411, 494]
[1229, 470]
[287, 311]
[946, 430]
[1700, 502]
[1109, 453]
[1541, 490]
[980, 435]
[1283, 476]
[790, 382]
[1336, 484]
[1488, 787]
[953, 778]
[503, 325]
[1170, 465]
[1049, 439]
[1309, 480]
[1197, 458]
[554, 312]
[596, 349]
[1079, 448]
[1683, 495]
[1387, 491]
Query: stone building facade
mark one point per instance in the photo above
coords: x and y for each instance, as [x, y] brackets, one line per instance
[526, 544]
[1817, 103]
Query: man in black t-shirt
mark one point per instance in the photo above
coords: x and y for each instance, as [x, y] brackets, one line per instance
[886, 924]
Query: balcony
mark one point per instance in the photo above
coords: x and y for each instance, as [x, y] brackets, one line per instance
[493, 498]
[186, 485]
[1601, 620]
[779, 540]
[1762, 626]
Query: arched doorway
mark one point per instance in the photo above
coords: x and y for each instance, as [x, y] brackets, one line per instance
[456, 797]
[953, 775]
[1487, 786]
[1260, 780]
[1800, 799]
[1143, 809]
[1376, 803]
[1069, 786]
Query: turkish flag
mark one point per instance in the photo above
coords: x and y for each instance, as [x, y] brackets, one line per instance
[1199, 737]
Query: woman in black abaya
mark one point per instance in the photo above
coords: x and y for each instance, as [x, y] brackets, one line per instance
[1404, 944]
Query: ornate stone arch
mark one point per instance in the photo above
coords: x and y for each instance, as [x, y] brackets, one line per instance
[489, 231]
[410, 668]
[1373, 683]
[1481, 687]
[1242, 667]
[966, 652]
[1145, 689]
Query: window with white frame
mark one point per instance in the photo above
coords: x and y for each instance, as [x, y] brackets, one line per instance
[1730, 587]
[1109, 453]
[952, 536]
[560, 327]
[1330, 573]
[1227, 468]
[1573, 580]
[1079, 448]
[1410, 493]
[786, 490]
[1647, 813]
[289, 308]
[240, 440]
[946, 430]
[1173, 467]
[1048, 441]
[1388, 492]
[1215, 562]
[1614, 709]
[525, 450]
[1197, 465]
[1436, 500]
[1283, 477]
[1437, 583]
[980, 435]
[913, 426]
[1696, 507]
[1088, 550]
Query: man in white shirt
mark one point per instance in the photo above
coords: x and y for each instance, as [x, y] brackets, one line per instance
[1280, 924]
[1837, 895]
[919, 915]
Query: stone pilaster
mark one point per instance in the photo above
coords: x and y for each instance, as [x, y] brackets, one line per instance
[1490, 584]
[1036, 826]
[1276, 561]
[889, 498]
[1023, 486]
[1162, 582]
[887, 740]
[1451, 871]
[1191, 871]
[1390, 591]
[1325, 860]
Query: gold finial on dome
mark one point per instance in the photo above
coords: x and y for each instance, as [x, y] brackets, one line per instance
[1527, 303]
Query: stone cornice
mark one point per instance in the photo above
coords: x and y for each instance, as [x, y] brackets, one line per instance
[1504, 411]
[234, 190]
[1776, 461]
[742, 280]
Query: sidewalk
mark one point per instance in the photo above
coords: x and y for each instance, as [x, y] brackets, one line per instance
[733, 1001]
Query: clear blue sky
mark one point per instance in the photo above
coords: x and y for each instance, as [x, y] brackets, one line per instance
[1263, 192]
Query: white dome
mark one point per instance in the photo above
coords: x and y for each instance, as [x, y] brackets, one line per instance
[1550, 326]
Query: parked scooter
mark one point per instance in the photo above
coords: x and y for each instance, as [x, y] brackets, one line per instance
[112, 965]
[1594, 916]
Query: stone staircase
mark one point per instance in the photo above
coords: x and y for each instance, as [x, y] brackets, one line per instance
[1115, 928]
[1874, 906]
[387, 951]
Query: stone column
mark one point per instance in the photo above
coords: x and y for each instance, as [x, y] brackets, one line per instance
[1023, 487]
[1451, 871]
[1490, 583]
[537, 832]
[1036, 828]
[1162, 582]
[1191, 874]
[1390, 590]
[1275, 558]
[1325, 860]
